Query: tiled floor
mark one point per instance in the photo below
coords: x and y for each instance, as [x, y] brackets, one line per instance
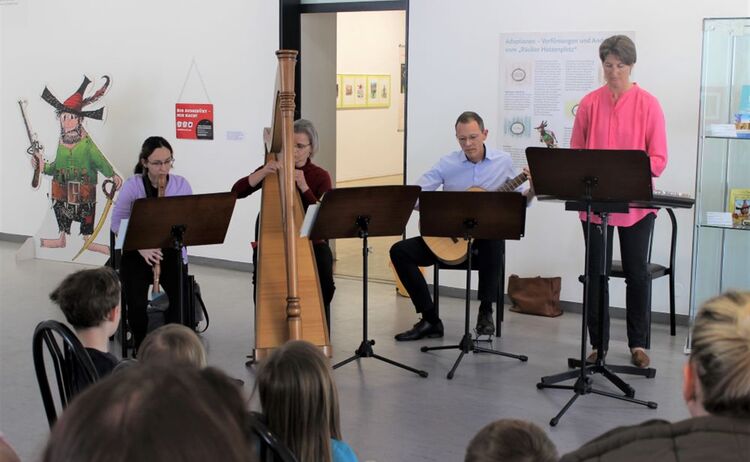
[388, 414]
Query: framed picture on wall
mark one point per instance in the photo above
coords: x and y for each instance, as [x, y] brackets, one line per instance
[339, 91]
[379, 90]
[354, 91]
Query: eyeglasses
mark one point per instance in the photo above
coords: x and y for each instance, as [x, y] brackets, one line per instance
[300, 146]
[465, 139]
[159, 163]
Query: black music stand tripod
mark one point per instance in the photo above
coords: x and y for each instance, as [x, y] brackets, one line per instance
[486, 215]
[607, 181]
[366, 212]
[176, 222]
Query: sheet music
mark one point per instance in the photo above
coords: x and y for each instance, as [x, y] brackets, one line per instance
[309, 221]
[120, 240]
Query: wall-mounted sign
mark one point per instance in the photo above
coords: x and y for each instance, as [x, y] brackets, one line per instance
[194, 121]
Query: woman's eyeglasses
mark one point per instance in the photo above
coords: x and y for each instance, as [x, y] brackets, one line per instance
[159, 163]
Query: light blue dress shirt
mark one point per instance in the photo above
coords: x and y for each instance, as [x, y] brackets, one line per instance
[454, 172]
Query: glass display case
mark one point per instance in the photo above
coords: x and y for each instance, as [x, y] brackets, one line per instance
[721, 237]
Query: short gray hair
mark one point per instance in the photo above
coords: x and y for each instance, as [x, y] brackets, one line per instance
[620, 46]
[307, 127]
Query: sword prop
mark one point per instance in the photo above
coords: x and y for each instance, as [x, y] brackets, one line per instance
[110, 196]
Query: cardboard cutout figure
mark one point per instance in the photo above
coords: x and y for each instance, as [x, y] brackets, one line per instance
[75, 169]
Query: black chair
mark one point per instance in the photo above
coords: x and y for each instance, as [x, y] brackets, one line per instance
[270, 448]
[656, 271]
[499, 312]
[123, 331]
[74, 369]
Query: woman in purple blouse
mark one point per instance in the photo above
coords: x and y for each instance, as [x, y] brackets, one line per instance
[136, 266]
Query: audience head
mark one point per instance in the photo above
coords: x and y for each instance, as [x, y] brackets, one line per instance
[300, 400]
[155, 413]
[509, 440]
[717, 376]
[173, 344]
[89, 298]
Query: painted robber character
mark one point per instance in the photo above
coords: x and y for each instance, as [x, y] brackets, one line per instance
[75, 169]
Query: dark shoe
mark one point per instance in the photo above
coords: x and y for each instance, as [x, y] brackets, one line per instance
[422, 329]
[485, 324]
[639, 358]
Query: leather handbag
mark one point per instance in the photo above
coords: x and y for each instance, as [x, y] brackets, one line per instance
[539, 296]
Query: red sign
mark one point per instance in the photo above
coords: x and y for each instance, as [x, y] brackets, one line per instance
[194, 121]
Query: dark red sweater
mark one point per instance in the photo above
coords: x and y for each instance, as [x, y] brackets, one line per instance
[318, 181]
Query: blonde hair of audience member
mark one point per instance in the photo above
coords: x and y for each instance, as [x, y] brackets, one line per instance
[155, 413]
[717, 375]
[173, 343]
[299, 400]
[510, 440]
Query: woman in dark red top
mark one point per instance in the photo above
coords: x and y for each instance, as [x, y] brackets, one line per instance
[312, 182]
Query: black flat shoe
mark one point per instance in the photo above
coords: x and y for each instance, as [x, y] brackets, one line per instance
[422, 329]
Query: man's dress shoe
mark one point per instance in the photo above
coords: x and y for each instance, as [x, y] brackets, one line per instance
[422, 329]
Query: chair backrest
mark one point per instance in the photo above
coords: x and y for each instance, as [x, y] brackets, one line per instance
[270, 447]
[73, 367]
[673, 240]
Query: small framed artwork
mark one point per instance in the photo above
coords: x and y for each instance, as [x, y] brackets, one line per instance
[353, 91]
[339, 91]
[379, 90]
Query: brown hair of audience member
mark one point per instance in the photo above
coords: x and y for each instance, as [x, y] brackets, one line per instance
[155, 413]
[510, 440]
[87, 297]
[173, 343]
[720, 357]
[299, 400]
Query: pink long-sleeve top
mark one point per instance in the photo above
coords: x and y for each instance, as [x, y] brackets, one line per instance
[634, 121]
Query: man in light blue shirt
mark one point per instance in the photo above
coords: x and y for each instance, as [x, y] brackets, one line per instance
[473, 165]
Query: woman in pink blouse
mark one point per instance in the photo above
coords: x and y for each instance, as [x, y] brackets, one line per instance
[621, 115]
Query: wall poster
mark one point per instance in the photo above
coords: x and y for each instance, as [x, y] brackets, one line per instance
[543, 76]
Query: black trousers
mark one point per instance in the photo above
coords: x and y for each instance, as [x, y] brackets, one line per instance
[136, 275]
[634, 246]
[408, 255]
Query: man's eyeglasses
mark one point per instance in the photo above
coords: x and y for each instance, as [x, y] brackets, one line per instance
[159, 163]
[300, 146]
[465, 139]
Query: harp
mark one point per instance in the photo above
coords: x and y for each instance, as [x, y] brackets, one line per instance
[289, 303]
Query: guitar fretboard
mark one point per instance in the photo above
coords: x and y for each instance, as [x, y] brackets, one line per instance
[513, 183]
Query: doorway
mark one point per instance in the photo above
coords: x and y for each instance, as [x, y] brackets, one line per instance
[352, 71]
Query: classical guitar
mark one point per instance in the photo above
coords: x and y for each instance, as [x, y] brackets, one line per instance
[452, 250]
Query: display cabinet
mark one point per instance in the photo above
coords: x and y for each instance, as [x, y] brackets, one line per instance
[721, 242]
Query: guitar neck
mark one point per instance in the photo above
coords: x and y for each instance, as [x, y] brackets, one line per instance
[513, 183]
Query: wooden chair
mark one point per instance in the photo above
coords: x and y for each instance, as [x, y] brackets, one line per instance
[499, 312]
[656, 271]
[270, 448]
[73, 367]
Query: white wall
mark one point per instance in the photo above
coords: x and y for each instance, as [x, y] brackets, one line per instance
[318, 61]
[146, 47]
[453, 66]
[368, 141]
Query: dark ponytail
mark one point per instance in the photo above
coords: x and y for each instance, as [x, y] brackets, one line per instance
[151, 144]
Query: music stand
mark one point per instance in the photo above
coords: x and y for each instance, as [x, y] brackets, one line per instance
[178, 221]
[472, 215]
[596, 181]
[366, 212]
